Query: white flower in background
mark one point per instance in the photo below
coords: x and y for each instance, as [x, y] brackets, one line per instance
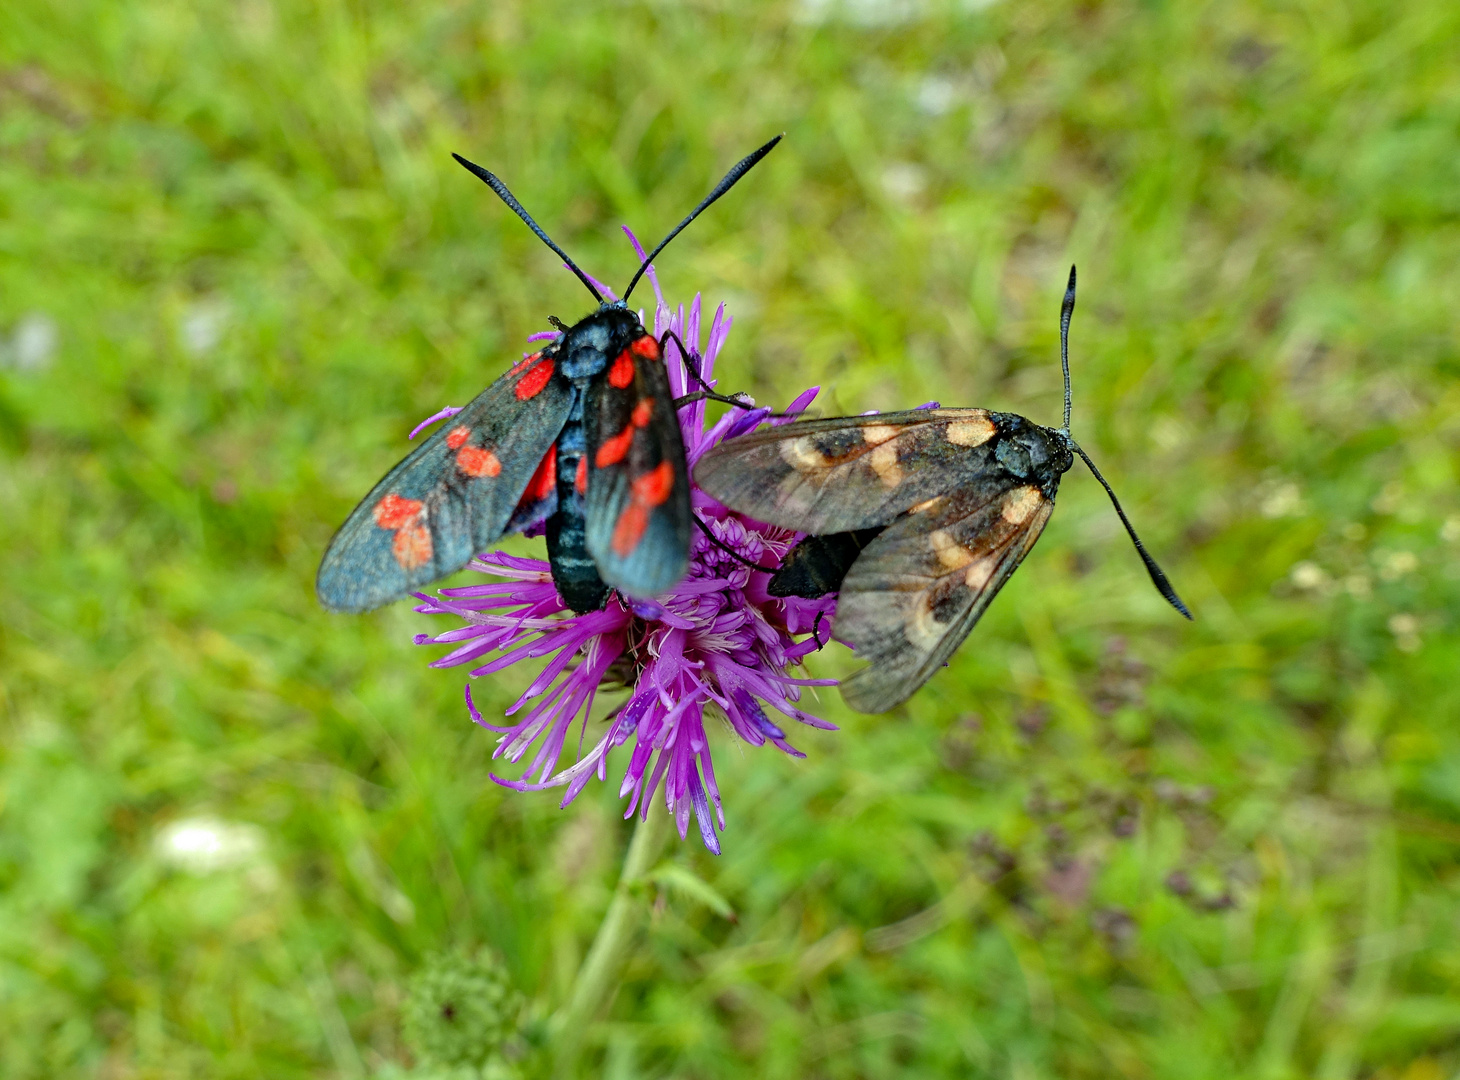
[904, 181]
[1405, 628]
[936, 95]
[1394, 565]
[205, 845]
[202, 326]
[1280, 499]
[1310, 577]
[33, 346]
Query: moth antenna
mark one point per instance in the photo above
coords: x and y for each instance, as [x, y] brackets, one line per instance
[1158, 576]
[728, 550]
[1066, 310]
[743, 166]
[516, 207]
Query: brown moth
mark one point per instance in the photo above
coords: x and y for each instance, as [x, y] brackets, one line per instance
[915, 518]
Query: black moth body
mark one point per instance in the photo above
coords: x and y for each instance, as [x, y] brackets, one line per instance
[582, 437]
[916, 519]
[817, 565]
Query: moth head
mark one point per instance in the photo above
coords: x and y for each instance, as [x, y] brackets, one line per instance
[1031, 452]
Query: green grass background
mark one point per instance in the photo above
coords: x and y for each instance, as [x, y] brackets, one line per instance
[1264, 203]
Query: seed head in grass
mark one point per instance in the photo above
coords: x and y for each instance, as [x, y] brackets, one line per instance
[716, 644]
[461, 1010]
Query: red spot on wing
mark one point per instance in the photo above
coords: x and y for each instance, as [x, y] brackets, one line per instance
[524, 363]
[647, 492]
[654, 486]
[629, 529]
[532, 383]
[580, 481]
[622, 372]
[541, 484]
[412, 546]
[613, 450]
[646, 347]
[457, 435]
[412, 543]
[477, 461]
[394, 512]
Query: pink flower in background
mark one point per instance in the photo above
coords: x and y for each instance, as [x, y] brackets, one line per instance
[716, 643]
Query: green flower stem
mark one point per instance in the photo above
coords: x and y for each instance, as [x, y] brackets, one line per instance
[599, 976]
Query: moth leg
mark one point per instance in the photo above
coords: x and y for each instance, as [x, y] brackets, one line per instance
[708, 395]
[692, 364]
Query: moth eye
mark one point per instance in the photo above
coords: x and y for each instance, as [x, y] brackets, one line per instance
[1013, 457]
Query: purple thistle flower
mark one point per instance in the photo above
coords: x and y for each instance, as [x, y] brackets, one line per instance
[716, 643]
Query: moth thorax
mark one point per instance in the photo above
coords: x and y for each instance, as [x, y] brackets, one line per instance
[1030, 452]
[585, 350]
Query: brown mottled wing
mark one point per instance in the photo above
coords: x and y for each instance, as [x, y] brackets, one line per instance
[451, 496]
[919, 588]
[637, 509]
[851, 472]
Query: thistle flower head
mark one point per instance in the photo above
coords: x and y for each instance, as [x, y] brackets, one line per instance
[715, 646]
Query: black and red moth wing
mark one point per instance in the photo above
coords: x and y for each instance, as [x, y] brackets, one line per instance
[638, 511]
[452, 496]
[918, 589]
[851, 472]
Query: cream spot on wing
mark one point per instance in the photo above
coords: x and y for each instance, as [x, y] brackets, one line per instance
[978, 574]
[952, 554]
[926, 504]
[920, 628]
[884, 463]
[974, 431]
[874, 434]
[1020, 503]
[802, 455]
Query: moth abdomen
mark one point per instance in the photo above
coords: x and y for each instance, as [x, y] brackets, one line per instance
[817, 565]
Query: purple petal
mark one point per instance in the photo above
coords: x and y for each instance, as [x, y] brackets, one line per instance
[646, 610]
[801, 400]
[450, 410]
[702, 815]
[603, 289]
